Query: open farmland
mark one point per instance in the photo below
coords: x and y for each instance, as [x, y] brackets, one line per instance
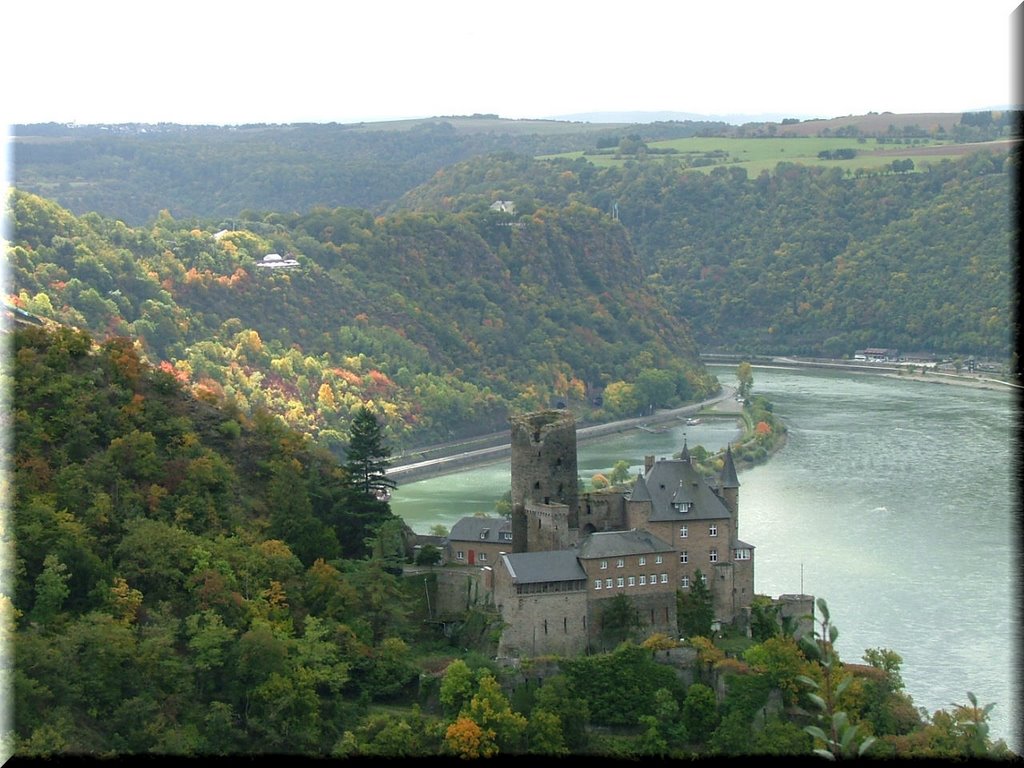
[763, 154]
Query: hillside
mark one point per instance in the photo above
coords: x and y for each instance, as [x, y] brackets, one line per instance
[803, 260]
[443, 322]
[132, 172]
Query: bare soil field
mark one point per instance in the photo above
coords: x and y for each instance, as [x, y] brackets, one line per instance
[876, 123]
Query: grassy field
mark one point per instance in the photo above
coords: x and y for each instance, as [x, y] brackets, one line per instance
[763, 154]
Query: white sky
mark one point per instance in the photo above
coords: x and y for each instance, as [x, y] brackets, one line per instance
[228, 62]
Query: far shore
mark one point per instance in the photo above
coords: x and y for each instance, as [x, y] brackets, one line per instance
[977, 381]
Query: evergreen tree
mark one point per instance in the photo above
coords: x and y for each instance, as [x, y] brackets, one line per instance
[694, 609]
[367, 458]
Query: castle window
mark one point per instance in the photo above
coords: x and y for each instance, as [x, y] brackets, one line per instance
[643, 579]
[703, 578]
[506, 535]
[742, 554]
[683, 532]
[620, 563]
[713, 555]
[604, 565]
[712, 530]
[481, 556]
[597, 583]
[632, 581]
[684, 556]
[643, 560]
[619, 582]
[536, 485]
[460, 555]
[485, 533]
[684, 583]
[607, 583]
[657, 559]
[664, 578]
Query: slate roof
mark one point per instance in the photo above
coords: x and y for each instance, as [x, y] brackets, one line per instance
[727, 476]
[671, 485]
[621, 543]
[481, 529]
[535, 567]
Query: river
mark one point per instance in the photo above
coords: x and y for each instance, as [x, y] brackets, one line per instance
[894, 500]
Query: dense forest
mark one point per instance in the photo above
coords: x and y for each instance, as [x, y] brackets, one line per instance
[444, 322]
[132, 172]
[192, 580]
[804, 260]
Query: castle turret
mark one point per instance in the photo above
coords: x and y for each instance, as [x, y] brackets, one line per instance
[544, 473]
[729, 484]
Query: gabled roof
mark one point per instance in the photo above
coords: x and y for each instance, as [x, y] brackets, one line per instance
[671, 485]
[481, 529]
[621, 543]
[534, 567]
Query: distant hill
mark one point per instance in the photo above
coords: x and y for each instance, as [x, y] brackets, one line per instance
[653, 117]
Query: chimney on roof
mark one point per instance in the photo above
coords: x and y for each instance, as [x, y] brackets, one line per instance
[648, 463]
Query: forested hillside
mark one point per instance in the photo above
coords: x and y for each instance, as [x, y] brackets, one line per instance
[170, 590]
[443, 322]
[132, 172]
[803, 260]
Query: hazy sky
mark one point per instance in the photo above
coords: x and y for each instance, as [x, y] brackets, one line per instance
[226, 62]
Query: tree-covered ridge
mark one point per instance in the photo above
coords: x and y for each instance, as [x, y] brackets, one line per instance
[135, 171]
[803, 260]
[443, 322]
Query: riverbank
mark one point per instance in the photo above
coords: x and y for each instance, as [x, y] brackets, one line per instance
[908, 373]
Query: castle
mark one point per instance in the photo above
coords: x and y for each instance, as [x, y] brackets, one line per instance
[553, 569]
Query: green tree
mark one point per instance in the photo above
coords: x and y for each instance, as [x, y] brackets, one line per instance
[744, 379]
[490, 709]
[51, 589]
[368, 457]
[620, 620]
[558, 697]
[655, 388]
[764, 621]
[619, 473]
[700, 712]
[839, 737]
[544, 734]
[781, 660]
[457, 687]
[694, 609]
[428, 555]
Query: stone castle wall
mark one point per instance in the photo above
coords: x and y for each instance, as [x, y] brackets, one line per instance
[543, 468]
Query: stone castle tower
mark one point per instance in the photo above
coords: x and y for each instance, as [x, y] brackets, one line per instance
[545, 494]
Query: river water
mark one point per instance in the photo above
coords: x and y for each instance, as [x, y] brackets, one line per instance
[895, 500]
